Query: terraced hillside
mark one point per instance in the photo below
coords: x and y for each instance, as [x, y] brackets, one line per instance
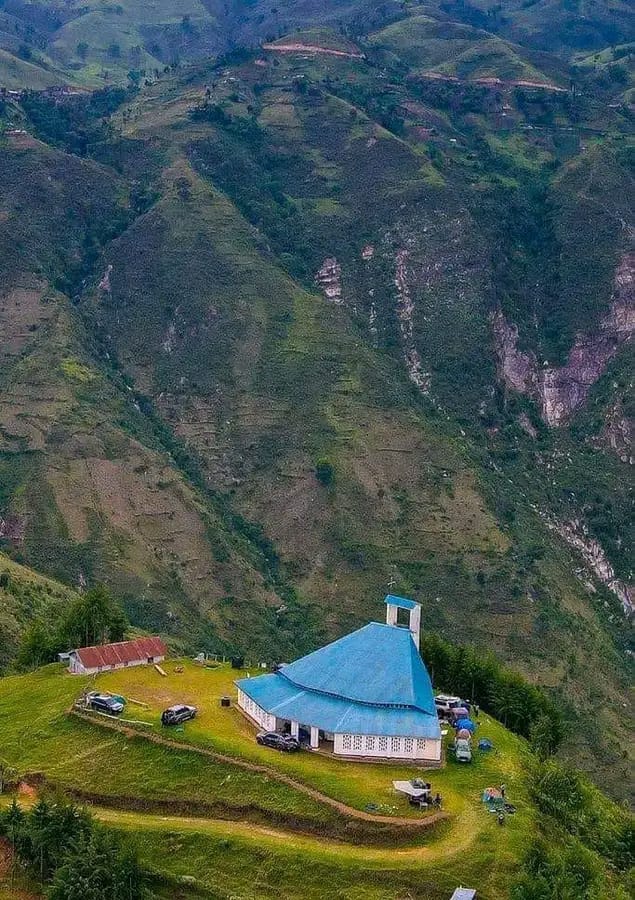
[348, 309]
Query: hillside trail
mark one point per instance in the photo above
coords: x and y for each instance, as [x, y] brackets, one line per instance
[450, 845]
[342, 808]
[311, 48]
[493, 82]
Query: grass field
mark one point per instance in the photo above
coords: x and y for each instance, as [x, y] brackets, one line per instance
[357, 784]
[245, 834]
[38, 737]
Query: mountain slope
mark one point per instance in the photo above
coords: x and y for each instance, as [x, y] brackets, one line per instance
[302, 324]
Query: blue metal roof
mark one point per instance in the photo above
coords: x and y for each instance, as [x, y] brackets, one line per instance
[279, 696]
[401, 602]
[377, 664]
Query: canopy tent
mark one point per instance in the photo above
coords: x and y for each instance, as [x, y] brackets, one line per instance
[411, 790]
[466, 724]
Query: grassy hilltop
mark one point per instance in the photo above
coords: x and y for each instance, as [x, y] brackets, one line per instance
[235, 830]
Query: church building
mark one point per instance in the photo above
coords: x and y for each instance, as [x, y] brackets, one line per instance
[365, 695]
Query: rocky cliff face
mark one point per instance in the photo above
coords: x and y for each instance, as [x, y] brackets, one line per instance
[576, 535]
[405, 313]
[329, 279]
[560, 391]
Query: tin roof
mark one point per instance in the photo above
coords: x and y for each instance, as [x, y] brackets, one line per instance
[279, 697]
[121, 652]
[462, 893]
[377, 664]
[372, 681]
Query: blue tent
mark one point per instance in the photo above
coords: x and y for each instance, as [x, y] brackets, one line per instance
[465, 723]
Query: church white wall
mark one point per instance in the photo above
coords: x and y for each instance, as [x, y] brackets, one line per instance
[387, 747]
[257, 713]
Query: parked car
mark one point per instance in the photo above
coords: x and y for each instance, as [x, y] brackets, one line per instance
[445, 703]
[284, 742]
[459, 714]
[112, 706]
[462, 750]
[178, 714]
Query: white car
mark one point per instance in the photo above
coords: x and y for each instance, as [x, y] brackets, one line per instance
[445, 702]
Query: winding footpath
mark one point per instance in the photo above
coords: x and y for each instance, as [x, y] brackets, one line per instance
[342, 808]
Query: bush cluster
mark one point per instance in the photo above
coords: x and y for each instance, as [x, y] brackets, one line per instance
[61, 846]
[93, 618]
[477, 675]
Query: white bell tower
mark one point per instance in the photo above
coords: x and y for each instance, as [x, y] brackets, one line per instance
[394, 604]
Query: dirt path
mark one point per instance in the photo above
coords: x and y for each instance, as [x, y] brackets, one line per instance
[449, 845]
[342, 808]
[492, 82]
[312, 48]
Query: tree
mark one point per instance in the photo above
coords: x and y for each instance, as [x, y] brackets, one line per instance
[100, 869]
[94, 618]
[75, 857]
[37, 646]
[324, 471]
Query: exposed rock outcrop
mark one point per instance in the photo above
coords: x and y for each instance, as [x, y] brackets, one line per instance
[576, 535]
[329, 278]
[560, 391]
[104, 285]
[618, 434]
[405, 313]
[13, 528]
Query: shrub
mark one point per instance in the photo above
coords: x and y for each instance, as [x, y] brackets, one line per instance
[324, 471]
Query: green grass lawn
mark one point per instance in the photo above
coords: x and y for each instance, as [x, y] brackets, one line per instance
[38, 737]
[355, 783]
[242, 839]
[257, 863]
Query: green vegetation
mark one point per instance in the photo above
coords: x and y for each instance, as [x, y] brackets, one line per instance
[92, 618]
[175, 376]
[359, 784]
[24, 597]
[201, 825]
[72, 856]
[523, 708]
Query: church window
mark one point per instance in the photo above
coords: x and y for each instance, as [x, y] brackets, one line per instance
[421, 745]
[408, 745]
[395, 745]
[346, 742]
[370, 742]
[357, 742]
[383, 744]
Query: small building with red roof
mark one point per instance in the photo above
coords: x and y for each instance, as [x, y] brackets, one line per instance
[140, 652]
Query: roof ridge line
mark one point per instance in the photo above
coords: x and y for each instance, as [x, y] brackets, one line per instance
[313, 690]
